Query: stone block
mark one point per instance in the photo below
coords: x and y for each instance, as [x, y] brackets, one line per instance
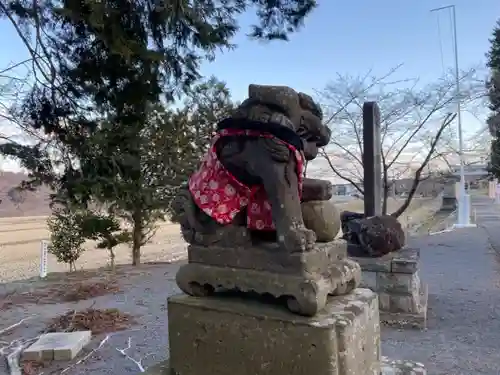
[369, 280]
[404, 304]
[417, 318]
[382, 264]
[405, 260]
[401, 261]
[402, 295]
[384, 301]
[222, 336]
[270, 257]
[398, 283]
[58, 346]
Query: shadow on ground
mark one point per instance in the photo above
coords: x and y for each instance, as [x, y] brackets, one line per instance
[463, 332]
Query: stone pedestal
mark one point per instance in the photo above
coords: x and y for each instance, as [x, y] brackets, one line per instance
[230, 336]
[222, 336]
[402, 295]
[304, 280]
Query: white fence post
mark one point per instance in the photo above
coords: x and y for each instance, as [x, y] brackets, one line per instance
[43, 258]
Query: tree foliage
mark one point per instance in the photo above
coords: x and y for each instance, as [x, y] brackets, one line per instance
[493, 85]
[66, 237]
[104, 71]
[206, 104]
[105, 229]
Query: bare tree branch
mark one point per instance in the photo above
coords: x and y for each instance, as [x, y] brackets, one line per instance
[415, 124]
[339, 174]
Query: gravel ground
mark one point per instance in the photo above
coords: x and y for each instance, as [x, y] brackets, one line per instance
[464, 305]
[462, 271]
[144, 293]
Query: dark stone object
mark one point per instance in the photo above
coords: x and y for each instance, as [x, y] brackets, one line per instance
[347, 219]
[372, 159]
[371, 236]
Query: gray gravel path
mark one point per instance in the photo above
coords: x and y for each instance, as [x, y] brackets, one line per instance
[462, 271]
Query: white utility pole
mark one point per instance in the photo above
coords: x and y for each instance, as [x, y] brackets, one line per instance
[463, 219]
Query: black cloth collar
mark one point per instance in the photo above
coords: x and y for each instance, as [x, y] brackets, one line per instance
[279, 131]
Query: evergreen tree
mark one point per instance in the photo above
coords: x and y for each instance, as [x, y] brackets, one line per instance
[107, 67]
[207, 103]
[493, 86]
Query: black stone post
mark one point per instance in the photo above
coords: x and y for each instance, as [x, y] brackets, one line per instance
[372, 159]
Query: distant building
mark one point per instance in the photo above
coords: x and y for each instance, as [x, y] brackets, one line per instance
[344, 189]
[427, 187]
[472, 172]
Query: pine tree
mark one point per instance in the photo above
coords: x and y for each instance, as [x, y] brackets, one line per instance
[493, 86]
[104, 67]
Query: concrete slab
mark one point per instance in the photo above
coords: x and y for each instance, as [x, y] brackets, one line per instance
[57, 346]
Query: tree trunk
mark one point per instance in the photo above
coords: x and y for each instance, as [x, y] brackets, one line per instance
[136, 238]
[112, 258]
[385, 186]
[411, 193]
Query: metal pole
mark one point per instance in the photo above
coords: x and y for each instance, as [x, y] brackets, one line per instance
[462, 205]
[463, 211]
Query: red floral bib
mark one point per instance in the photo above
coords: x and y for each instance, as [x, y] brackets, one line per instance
[221, 196]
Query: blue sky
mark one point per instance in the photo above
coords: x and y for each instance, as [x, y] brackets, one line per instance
[351, 37]
[346, 37]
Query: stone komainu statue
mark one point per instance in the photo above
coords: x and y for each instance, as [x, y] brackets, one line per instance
[250, 184]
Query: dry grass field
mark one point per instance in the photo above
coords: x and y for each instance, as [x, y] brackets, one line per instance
[20, 239]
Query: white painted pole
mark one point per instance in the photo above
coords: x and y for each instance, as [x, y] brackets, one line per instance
[462, 204]
[43, 258]
[463, 212]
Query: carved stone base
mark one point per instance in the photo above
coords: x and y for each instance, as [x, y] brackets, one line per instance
[304, 280]
[402, 295]
[222, 336]
[305, 294]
